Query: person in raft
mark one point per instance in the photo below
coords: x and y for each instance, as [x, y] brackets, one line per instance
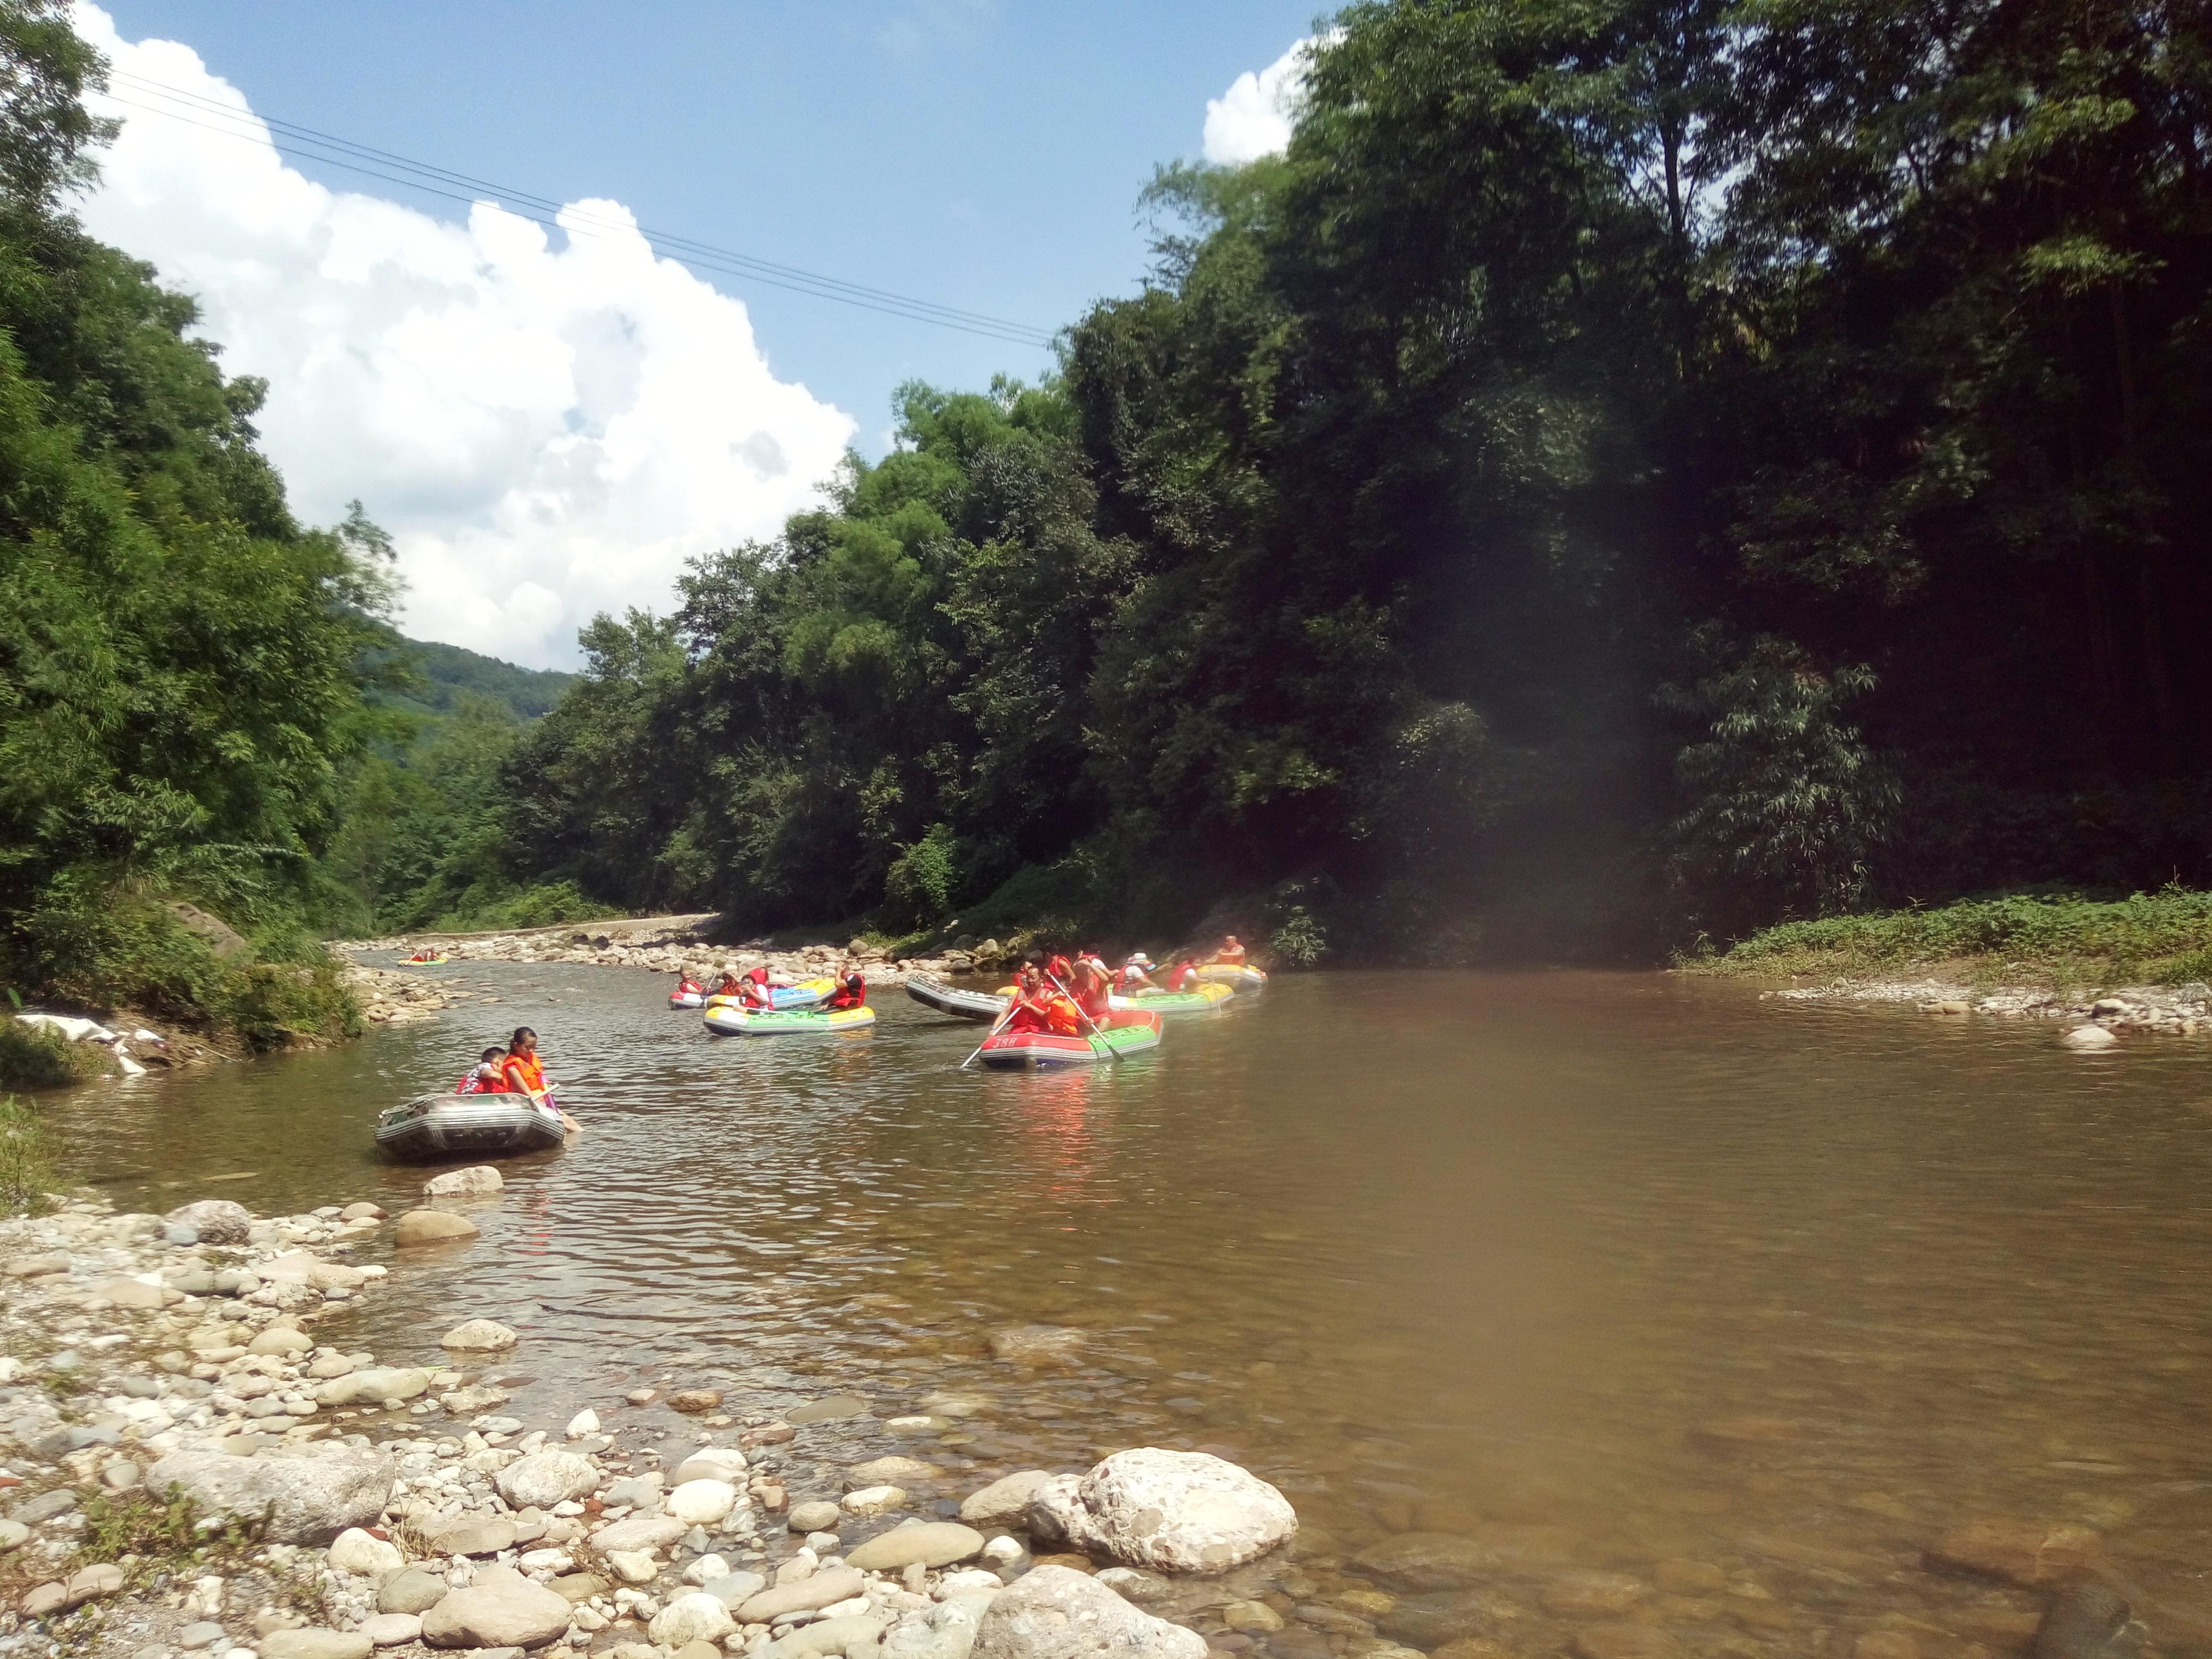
[687, 987]
[1134, 978]
[521, 1071]
[1231, 954]
[1038, 1007]
[486, 1078]
[729, 985]
[852, 990]
[1093, 987]
[753, 990]
[1185, 976]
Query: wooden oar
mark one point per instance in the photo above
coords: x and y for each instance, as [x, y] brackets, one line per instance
[1112, 1053]
[1012, 1003]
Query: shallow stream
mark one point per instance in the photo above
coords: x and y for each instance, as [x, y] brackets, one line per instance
[1608, 1271]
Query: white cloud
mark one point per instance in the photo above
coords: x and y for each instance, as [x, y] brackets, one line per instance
[1253, 117]
[546, 431]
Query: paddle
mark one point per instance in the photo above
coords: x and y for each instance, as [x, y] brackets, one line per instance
[1112, 1053]
[1012, 1003]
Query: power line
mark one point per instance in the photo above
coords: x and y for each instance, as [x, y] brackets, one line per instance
[309, 144]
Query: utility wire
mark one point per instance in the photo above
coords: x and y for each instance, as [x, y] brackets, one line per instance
[306, 143]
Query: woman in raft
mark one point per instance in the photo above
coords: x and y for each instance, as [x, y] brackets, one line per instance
[523, 1073]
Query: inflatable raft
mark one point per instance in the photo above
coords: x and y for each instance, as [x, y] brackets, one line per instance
[1237, 976]
[805, 994]
[1203, 1000]
[431, 1127]
[425, 962]
[950, 1000]
[1125, 1034]
[726, 1021]
[687, 995]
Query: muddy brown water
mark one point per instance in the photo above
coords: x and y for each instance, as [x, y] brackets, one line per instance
[1605, 1270]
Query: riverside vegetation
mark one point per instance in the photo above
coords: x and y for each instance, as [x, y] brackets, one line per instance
[1624, 477]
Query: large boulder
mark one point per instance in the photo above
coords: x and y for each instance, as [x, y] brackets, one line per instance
[500, 1609]
[639, 1532]
[307, 1500]
[374, 1386]
[945, 1631]
[1056, 1612]
[701, 1503]
[544, 1478]
[1172, 1511]
[216, 1220]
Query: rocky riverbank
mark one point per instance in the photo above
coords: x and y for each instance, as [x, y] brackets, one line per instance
[657, 947]
[2094, 1020]
[334, 1507]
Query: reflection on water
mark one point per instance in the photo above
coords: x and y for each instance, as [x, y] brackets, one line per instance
[1621, 1270]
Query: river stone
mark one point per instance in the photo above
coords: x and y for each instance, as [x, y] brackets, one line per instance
[1439, 1618]
[129, 1293]
[486, 1334]
[461, 1183]
[308, 1500]
[1004, 1502]
[824, 1589]
[374, 1386]
[1592, 1594]
[734, 1588]
[872, 1500]
[1173, 1511]
[1055, 1613]
[2089, 1038]
[2025, 1551]
[633, 1566]
[391, 1629]
[1622, 1642]
[698, 1617]
[412, 1590]
[817, 1516]
[216, 1220]
[474, 1535]
[579, 1586]
[703, 1503]
[891, 1472]
[639, 1532]
[946, 1630]
[298, 1267]
[636, 1491]
[851, 1636]
[282, 1339]
[312, 1643]
[500, 1609]
[710, 1463]
[932, 1543]
[1037, 1345]
[544, 1478]
[834, 1409]
[363, 1210]
[2085, 1620]
[362, 1553]
[1427, 1561]
[432, 1227]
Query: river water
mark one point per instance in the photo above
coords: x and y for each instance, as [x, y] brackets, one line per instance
[1608, 1271]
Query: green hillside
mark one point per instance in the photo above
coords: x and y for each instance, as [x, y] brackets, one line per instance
[440, 674]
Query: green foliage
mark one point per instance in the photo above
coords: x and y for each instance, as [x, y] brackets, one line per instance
[2163, 936]
[34, 1058]
[164, 1532]
[918, 887]
[27, 1175]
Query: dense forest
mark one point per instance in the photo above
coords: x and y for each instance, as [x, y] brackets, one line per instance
[1630, 473]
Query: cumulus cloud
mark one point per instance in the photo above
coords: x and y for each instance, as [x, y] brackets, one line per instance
[1253, 117]
[548, 424]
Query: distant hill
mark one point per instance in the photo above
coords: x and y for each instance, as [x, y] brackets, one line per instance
[444, 671]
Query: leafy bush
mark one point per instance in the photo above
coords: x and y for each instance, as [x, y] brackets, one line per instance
[25, 1170]
[33, 1057]
[919, 885]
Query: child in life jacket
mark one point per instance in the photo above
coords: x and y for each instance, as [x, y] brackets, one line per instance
[485, 1079]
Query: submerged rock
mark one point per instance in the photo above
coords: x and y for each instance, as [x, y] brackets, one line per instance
[1428, 1561]
[1004, 1502]
[931, 1543]
[477, 1179]
[214, 1220]
[2025, 1551]
[432, 1227]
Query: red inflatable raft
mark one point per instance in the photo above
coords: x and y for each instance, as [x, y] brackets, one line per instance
[1125, 1034]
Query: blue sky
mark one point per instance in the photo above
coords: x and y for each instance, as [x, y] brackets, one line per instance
[985, 154]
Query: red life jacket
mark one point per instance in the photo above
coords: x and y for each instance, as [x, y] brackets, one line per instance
[1185, 977]
[851, 993]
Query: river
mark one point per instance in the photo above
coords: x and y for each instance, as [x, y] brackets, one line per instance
[1609, 1270]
